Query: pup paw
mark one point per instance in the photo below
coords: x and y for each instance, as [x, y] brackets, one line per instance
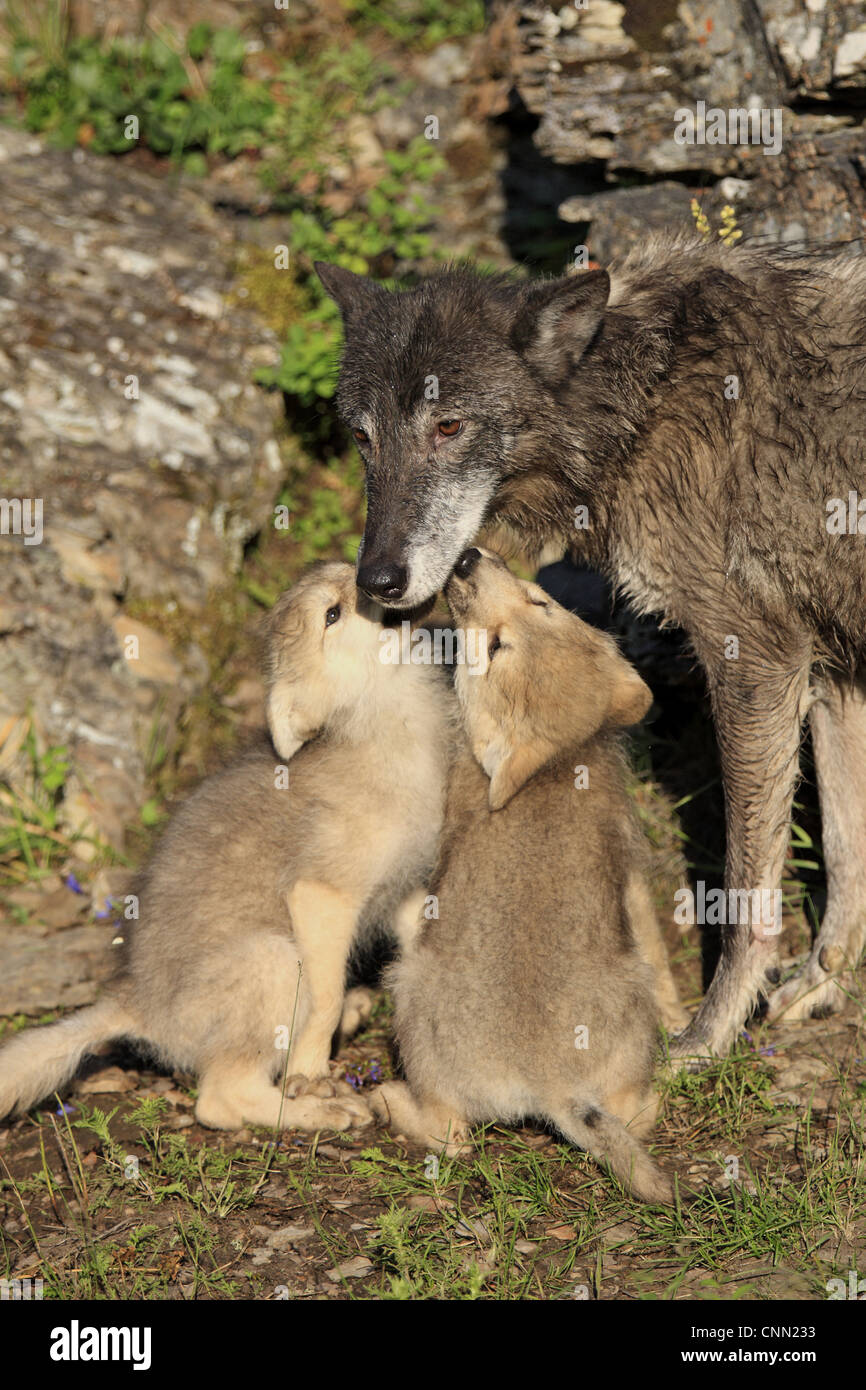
[357, 1008]
[675, 1018]
[340, 1113]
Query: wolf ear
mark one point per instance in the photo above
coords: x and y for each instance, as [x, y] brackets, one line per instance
[563, 318]
[290, 729]
[513, 769]
[630, 698]
[350, 292]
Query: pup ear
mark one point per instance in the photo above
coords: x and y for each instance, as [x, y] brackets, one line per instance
[510, 768]
[561, 319]
[350, 292]
[630, 698]
[289, 726]
[606, 691]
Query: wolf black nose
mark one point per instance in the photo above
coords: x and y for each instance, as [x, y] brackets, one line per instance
[467, 562]
[386, 582]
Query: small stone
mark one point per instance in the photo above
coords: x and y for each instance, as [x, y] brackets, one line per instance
[112, 1079]
[288, 1235]
[356, 1268]
[560, 1233]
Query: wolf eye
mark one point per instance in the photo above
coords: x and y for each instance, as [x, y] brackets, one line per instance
[361, 436]
[449, 427]
[493, 646]
[332, 615]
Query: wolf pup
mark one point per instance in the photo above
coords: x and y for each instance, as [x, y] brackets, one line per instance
[258, 889]
[533, 993]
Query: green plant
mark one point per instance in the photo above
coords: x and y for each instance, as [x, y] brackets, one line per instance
[182, 101]
[424, 23]
[392, 225]
[30, 841]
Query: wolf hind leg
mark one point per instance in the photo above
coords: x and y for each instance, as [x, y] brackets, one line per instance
[650, 944]
[826, 980]
[759, 705]
[432, 1122]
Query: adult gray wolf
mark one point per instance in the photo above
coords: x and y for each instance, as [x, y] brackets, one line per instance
[533, 990]
[267, 875]
[692, 425]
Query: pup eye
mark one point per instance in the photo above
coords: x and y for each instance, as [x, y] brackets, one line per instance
[449, 427]
[493, 646]
[332, 615]
[361, 436]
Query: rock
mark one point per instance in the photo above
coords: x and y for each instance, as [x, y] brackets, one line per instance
[108, 1081]
[38, 977]
[288, 1235]
[357, 1268]
[800, 1073]
[608, 114]
[118, 346]
[148, 655]
[60, 908]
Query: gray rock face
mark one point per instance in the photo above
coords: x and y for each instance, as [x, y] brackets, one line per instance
[127, 413]
[608, 83]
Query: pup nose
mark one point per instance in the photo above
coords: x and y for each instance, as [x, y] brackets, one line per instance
[467, 562]
[387, 582]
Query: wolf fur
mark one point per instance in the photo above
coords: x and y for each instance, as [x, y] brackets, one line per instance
[257, 891]
[706, 405]
[534, 988]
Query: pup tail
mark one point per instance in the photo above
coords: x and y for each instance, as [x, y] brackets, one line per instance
[608, 1140]
[38, 1061]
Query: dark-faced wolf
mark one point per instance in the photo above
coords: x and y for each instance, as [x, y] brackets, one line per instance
[692, 424]
[235, 969]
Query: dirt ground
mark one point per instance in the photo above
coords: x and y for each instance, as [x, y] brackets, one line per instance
[122, 1195]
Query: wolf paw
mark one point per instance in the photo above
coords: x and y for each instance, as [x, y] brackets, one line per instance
[810, 993]
[346, 1112]
[688, 1051]
[675, 1018]
[327, 1104]
[357, 1008]
[325, 1087]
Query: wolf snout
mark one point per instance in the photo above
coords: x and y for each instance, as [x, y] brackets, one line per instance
[385, 580]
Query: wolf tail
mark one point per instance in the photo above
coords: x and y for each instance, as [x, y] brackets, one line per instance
[608, 1140]
[38, 1061]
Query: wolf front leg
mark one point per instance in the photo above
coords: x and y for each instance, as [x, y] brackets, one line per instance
[323, 924]
[759, 705]
[838, 721]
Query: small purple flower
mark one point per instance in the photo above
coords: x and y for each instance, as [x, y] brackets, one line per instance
[106, 911]
[65, 1109]
[72, 882]
[748, 1037]
[768, 1052]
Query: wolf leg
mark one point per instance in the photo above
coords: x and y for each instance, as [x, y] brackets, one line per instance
[759, 705]
[838, 721]
[651, 946]
[357, 1008]
[323, 925]
[233, 1094]
[431, 1123]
